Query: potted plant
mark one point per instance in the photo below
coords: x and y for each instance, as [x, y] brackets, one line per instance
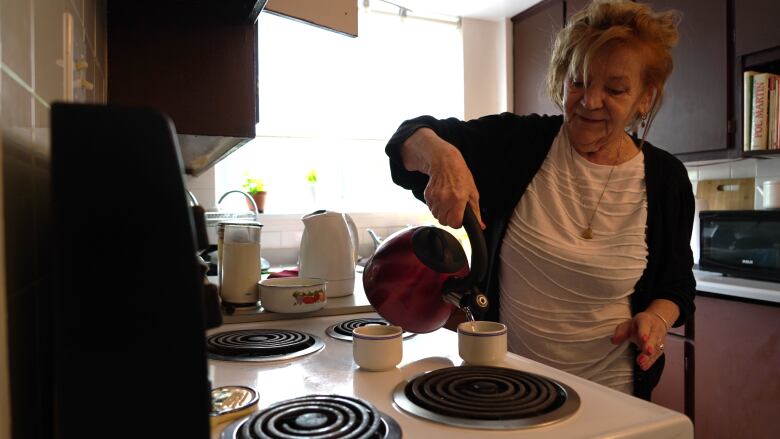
[255, 187]
[311, 177]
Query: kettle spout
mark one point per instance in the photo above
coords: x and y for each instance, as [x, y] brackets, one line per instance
[374, 238]
[476, 302]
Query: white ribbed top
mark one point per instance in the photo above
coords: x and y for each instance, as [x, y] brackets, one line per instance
[561, 295]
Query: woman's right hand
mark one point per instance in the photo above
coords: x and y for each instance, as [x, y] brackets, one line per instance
[451, 185]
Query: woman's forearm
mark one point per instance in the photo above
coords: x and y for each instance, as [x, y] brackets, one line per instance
[424, 151]
[665, 310]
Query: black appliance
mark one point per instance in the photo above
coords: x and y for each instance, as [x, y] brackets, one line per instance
[741, 243]
[128, 301]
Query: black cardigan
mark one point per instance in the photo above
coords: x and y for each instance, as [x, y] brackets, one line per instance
[505, 151]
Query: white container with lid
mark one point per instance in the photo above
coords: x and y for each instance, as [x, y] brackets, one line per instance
[770, 194]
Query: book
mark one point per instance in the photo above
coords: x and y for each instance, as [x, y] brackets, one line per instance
[775, 115]
[747, 106]
[759, 115]
[771, 136]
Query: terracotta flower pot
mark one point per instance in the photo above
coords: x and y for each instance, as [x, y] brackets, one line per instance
[259, 198]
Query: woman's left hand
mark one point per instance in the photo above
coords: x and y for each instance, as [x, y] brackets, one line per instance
[648, 330]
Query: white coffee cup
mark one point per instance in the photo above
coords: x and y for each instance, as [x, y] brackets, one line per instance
[482, 343]
[377, 347]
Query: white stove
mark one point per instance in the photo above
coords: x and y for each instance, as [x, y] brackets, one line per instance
[330, 370]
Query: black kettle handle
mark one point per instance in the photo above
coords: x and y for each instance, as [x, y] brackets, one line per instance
[479, 255]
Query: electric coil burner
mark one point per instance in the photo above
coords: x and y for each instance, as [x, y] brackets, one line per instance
[492, 398]
[321, 416]
[261, 345]
[343, 330]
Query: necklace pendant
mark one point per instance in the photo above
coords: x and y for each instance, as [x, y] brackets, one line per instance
[587, 233]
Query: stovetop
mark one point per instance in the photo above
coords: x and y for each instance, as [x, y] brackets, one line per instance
[331, 371]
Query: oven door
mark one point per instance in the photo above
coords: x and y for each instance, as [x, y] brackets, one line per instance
[742, 243]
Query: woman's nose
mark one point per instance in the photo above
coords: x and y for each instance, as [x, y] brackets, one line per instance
[592, 98]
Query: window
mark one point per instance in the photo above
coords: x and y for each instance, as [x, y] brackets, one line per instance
[329, 103]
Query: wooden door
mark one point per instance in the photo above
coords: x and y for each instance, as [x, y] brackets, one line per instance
[675, 391]
[574, 6]
[755, 25]
[737, 360]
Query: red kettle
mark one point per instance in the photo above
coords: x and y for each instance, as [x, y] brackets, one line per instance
[417, 276]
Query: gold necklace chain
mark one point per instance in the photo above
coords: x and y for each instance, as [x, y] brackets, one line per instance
[588, 232]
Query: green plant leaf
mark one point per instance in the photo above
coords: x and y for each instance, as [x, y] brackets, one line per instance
[311, 177]
[252, 185]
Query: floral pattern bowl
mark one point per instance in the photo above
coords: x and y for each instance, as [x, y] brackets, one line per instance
[293, 294]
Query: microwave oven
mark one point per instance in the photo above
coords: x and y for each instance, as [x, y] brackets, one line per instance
[741, 243]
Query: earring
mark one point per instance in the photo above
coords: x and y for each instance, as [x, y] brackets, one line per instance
[643, 116]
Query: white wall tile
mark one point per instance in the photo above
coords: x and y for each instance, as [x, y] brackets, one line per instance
[715, 172]
[205, 197]
[41, 130]
[16, 36]
[291, 239]
[203, 181]
[48, 49]
[743, 168]
[17, 107]
[768, 168]
[271, 239]
[693, 174]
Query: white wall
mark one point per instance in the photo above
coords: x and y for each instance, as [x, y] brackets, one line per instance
[486, 67]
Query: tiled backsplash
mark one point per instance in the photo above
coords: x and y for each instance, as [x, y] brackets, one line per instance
[33, 63]
[281, 235]
[760, 169]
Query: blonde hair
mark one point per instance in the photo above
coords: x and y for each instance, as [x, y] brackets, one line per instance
[605, 22]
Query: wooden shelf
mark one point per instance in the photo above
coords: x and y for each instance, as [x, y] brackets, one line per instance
[767, 153]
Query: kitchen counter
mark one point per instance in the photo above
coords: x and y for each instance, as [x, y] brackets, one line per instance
[708, 282]
[716, 283]
[352, 304]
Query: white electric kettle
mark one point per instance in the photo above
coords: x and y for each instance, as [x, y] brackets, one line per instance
[329, 250]
[770, 194]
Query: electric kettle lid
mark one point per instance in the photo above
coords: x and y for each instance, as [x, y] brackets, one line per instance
[321, 213]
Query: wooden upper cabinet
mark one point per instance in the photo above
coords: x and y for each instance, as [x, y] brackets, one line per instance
[533, 33]
[755, 25]
[696, 120]
[695, 114]
[196, 63]
[337, 15]
[574, 6]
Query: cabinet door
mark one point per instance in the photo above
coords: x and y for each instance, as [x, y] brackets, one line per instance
[755, 25]
[533, 34]
[199, 70]
[695, 113]
[574, 6]
[737, 359]
[674, 391]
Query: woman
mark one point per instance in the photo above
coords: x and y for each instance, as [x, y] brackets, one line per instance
[588, 228]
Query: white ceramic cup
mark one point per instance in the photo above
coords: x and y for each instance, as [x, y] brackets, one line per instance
[376, 347]
[482, 343]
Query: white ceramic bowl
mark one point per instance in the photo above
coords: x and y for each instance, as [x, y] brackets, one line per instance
[293, 294]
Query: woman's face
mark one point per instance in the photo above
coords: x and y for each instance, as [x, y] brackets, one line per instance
[598, 110]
